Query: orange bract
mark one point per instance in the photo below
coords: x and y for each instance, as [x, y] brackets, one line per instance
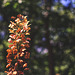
[27, 56]
[11, 31]
[19, 15]
[16, 64]
[15, 73]
[13, 36]
[22, 54]
[10, 46]
[25, 65]
[18, 30]
[9, 51]
[21, 24]
[27, 33]
[15, 56]
[25, 20]
[9, 60]
[8, 65]
[15, 51]
[26, 69]
[13, 17]
[17, 20]
[28, 38]
[22, 35]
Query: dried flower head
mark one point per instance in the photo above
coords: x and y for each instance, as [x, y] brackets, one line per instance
[18, 52]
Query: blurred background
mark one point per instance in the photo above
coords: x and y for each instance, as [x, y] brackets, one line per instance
[52, 33]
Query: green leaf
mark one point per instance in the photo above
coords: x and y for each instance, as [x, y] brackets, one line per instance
[15, 5]
[69, 29]
[7, 3]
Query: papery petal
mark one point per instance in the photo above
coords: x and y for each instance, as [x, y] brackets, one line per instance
[19, 15]
[27, 33]
[10, 69]
[15, 73]
[13, 47]
[13, 36]
[25, 17]
[20, 72]
[23, 40]
[11, 25]
[26, 69]
[21, 54]
[14, 42]
[18, 30]
[6, 71]
[15, 56]
[27, 45]
[18, 40]
[25, 27]
[27, 41]
[27, 56]
[9, 51]
[23, 49]
[9, 60]
[25, 65]
[10, 40]
[20, 61]
[15, 51]
[8, 65]
[10, 46]
[21, 31]
[29, 28]
[21, 24]
[17, 20]
[11, 31]
[10, 73]
[22, 35]
[9, 56]
[22, 45]
[13, 17]
[18, 37]
[28, 38]
[16, 64]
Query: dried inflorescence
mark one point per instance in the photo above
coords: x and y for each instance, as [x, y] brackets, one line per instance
[18, 53]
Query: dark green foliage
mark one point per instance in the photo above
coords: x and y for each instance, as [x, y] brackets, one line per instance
[62, 37]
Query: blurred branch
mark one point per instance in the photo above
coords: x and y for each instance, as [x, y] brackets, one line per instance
[47, 34]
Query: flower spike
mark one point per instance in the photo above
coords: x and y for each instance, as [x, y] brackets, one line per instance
[18, 52]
